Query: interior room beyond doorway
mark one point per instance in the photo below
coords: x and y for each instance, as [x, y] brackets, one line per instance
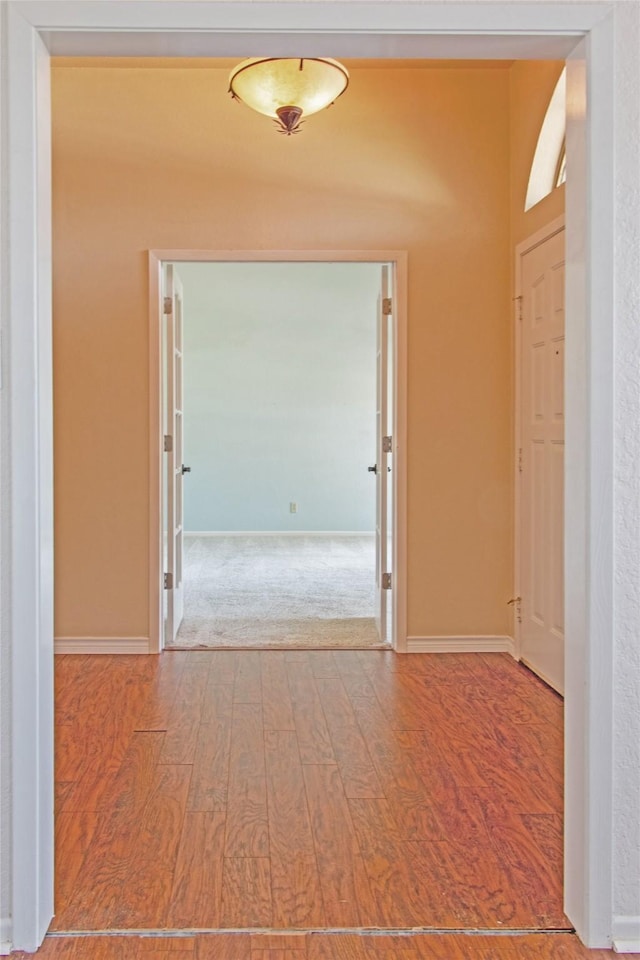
[277, 393]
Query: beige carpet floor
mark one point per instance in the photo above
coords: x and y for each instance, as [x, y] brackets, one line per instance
[279, 592]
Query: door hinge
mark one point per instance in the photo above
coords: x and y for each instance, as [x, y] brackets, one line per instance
[386, 306]
[168, 581]
[518, 300]
[386, 581]
[168, 304]
[520, 459]
[168, 443]
[517, 603]
[387, 445]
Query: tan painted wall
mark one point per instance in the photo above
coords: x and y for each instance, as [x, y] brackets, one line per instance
[408, 159]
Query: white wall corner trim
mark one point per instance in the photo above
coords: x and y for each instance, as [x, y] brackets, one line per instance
[102, 645]
[482, 644]
[6, 945]
[626, 934]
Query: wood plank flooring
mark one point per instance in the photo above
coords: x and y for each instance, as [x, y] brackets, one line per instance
[318, 946]
[307, 790]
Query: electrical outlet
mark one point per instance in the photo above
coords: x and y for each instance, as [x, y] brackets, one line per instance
[293, 507]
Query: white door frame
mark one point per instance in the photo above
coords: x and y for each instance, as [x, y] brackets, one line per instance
[398, 261]
[582, 31]
[170, 334]
[526, 246]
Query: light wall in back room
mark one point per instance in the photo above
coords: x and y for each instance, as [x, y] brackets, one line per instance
[279, 395]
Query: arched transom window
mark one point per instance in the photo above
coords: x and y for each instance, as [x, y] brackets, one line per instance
[549, 167]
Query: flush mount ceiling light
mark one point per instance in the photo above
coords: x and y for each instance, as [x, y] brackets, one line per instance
[288, 89]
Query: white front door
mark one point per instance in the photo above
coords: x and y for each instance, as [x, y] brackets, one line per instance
[541, 460]
[173, 447]
[383, 456]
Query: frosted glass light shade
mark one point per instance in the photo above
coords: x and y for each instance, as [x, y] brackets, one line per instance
[279, 88]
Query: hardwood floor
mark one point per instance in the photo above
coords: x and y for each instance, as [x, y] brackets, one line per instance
[318, 946]
[308, 790]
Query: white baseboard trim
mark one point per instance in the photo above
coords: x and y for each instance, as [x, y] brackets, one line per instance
[461, 645]
[626, 934]
[101, 645]
[279, 533]
[6, 936]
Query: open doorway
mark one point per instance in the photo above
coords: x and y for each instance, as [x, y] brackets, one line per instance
[273, 384]
[442, 339]
[276, 451]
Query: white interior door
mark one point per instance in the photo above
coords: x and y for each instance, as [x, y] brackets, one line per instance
[173, 453]
[383, 457]
[541, 461]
